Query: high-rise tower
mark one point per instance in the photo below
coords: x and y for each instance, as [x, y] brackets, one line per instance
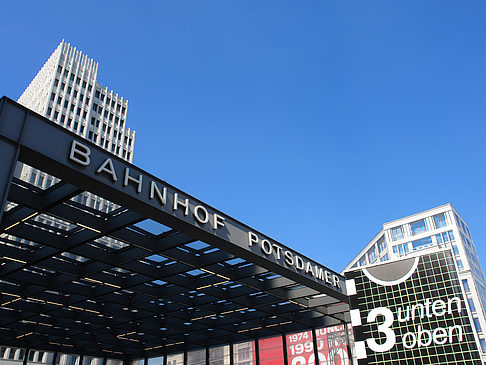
[65, 90]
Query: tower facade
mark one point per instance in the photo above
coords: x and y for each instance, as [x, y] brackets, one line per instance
[427, 232]
[66, 91]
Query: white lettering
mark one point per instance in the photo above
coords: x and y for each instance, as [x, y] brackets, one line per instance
[289, 259]
[252, 238]
[205, 218]
[183, 203]
[266, 247]
[218, 221]
[80, 153]
[438, 308]
[129, 178]
[278, 250]
[155, 190]
[110, 170]
[439, 334]
[458, 305]
[299, 263]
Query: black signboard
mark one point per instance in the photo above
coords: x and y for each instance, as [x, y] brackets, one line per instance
[411, 312]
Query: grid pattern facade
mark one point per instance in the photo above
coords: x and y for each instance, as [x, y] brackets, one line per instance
[434, 279]
[431, 231]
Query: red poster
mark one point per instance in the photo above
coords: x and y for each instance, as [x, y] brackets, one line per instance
[332, 346]
[271, 351]
[300, 348]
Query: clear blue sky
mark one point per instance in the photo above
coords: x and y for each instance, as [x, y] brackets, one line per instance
[311, 121]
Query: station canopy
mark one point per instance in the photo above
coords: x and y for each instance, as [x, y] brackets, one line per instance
[110, 261]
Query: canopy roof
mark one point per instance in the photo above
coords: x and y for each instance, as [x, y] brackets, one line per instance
[128, 276]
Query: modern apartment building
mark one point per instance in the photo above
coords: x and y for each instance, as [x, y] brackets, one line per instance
[427, 232]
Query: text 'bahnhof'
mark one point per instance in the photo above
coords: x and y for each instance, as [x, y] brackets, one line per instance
[104, 263]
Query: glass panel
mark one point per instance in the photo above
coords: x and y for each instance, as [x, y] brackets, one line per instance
[381, 244]
[440, 220]
[176, 359]
[244, 353]
[196, 357]
[300, 348]
[219, 355]
[418, 227]
[112, 362]
[271, 351]
[156, 360]
[397, 233]
[422, 243]
[332, 345]
[472, 307]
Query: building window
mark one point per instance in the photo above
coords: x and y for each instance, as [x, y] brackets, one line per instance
[63, 86]
[90, 87]
[372, 255]
[56, 114]
[63, 118]
[384, 258]
[95, 106]
[71, 77]
[465, 284]
[401, 249]
[59, 99]
[75, 93]
[66, 103]
[72, 107]
[66, 73]
[440, 220]
[56, 82]
[477, 325]
[69, 89]
[460, 265]
[362, 260]
[455, 249]
[422, 243]
[381, 242]
[472, 307]
[59, 69]
[84, 84]
[482, 342]
[78, 80]
[397, 233]
[49, 111]
[451, 235]
[418, 227]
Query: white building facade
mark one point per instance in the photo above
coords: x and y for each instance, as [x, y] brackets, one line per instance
[427, 232]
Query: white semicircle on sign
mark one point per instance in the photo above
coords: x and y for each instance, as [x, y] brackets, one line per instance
[392, 273]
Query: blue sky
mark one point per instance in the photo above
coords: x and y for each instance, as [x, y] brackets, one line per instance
[311, 121]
